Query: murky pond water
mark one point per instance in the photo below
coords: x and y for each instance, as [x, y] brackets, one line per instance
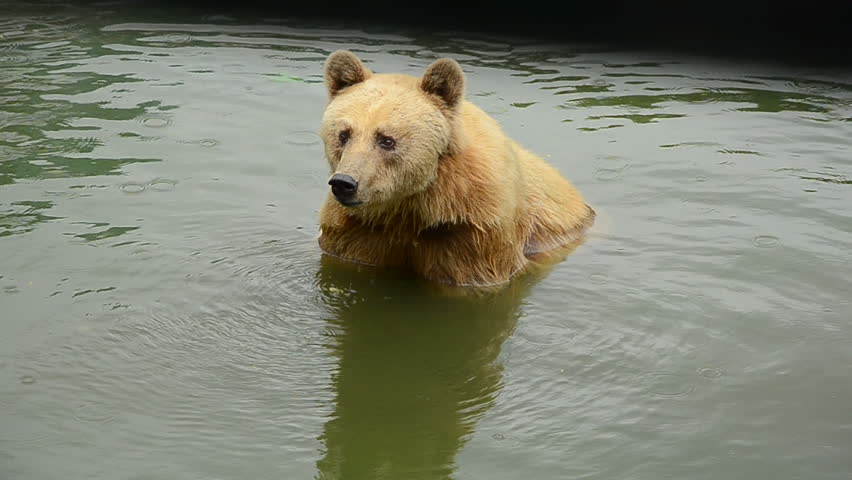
[166, 312]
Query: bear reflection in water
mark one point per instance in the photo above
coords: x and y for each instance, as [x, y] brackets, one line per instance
[418, 367]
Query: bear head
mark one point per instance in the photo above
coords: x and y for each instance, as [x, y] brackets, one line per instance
[384, 134]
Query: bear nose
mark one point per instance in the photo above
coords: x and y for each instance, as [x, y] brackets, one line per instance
[343, 186]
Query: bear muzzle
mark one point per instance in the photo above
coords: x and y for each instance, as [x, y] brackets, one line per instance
[344, 188]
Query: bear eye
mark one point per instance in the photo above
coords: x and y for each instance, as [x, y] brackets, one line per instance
[343, 137]
[386, 143]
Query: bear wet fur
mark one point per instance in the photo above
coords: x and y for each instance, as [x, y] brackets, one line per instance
[425, 180]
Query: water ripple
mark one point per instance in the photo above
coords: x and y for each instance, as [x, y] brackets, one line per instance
[162, 184]
[155, 121]
[668, 385]
[710, 372]
[545, 335]
[302, 138]
[766, 241]
[94, 412]
[133, 187]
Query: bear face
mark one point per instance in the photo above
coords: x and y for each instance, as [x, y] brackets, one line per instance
[383, 133]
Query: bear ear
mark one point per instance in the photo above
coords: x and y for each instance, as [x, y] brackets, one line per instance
[343, 69]
[444, 78]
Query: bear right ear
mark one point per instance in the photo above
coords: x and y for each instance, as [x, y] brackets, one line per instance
[444, 79]
[343, 69]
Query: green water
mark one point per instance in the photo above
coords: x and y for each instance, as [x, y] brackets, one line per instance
[165, 312]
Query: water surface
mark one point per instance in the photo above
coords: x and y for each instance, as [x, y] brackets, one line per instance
[166, 312]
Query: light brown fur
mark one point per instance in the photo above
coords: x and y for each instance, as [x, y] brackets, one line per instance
[455, 200]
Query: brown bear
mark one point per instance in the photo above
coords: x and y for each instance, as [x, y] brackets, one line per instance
[423, 179]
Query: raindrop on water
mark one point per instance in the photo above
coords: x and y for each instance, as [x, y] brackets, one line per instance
[93, 412]
[545, 335]
[132, 187]
[766, 241]
[668, 385]
[607, 174]
[507, 439]
[155, 121]
[599, 278]
[178, 37]
[302, 138]
[162, 184]
[27, 380]
[710, 372]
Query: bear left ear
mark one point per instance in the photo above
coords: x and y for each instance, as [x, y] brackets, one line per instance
[444, 78]
[343, 69]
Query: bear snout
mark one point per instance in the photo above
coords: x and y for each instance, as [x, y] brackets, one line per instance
[344, 189]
